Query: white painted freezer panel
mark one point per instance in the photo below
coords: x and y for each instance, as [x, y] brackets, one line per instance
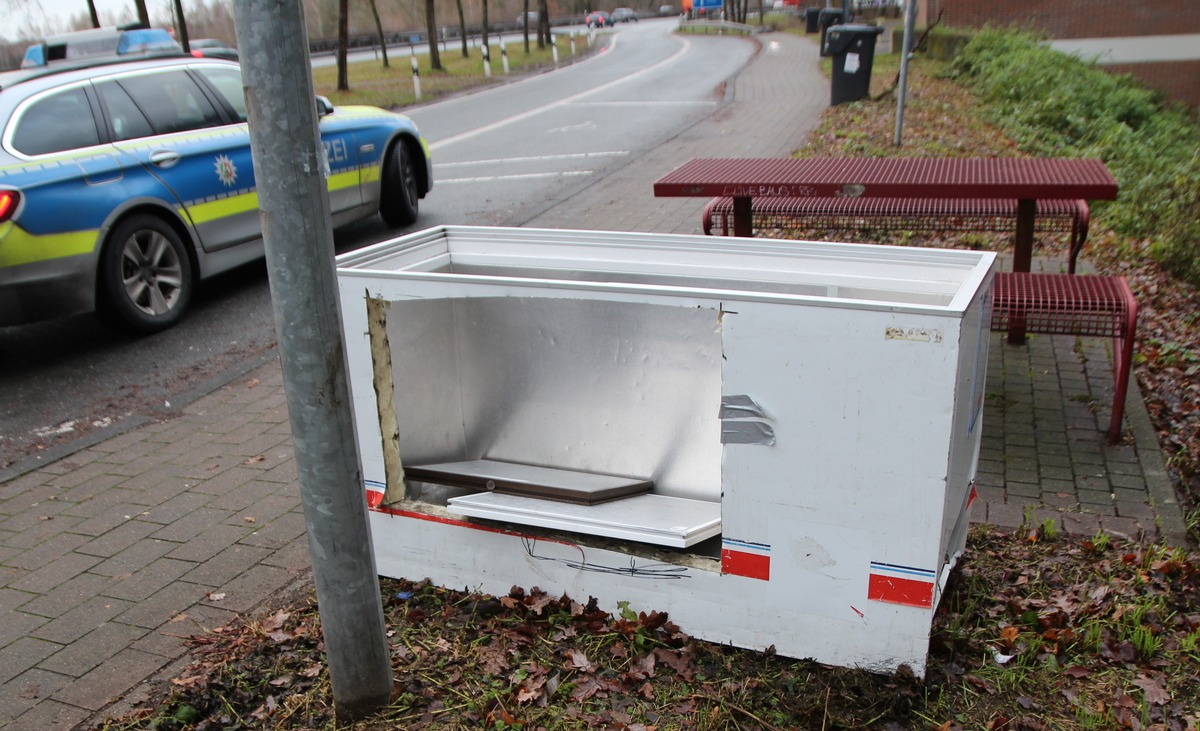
[822, 400]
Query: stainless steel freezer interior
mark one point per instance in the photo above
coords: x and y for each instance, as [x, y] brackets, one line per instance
[804, 417]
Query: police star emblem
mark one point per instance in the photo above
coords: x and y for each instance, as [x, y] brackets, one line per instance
[226, 170]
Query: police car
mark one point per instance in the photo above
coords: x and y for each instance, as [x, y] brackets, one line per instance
[125, 181]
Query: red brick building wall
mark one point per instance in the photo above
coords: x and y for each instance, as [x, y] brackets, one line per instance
[1063, 19]
[1178, 79]
[1075, 18]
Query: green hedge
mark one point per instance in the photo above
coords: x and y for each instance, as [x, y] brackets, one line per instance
[1054, 104]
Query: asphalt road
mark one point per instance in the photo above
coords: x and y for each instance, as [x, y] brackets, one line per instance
[500, 157]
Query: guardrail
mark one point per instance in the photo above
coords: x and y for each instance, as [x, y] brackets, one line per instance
[716, 27]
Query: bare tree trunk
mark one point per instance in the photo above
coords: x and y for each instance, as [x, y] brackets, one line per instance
[343, 82]
[378, 31]
[484, 31]
[543, 24]
[92, 12]
[525, 23]
[462, 28]
[435, 58]
[143, 13]
[181, 27]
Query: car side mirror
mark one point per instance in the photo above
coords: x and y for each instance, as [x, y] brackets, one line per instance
[324, 106]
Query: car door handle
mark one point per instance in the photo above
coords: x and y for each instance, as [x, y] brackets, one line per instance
[164, 158]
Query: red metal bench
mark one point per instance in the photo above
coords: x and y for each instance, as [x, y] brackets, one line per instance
[1027, 180]
[1062, 304]
[1054, 216]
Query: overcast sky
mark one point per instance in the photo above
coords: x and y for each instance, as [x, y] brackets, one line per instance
[52, 16]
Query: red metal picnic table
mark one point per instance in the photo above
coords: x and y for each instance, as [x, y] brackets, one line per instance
[1025, 179]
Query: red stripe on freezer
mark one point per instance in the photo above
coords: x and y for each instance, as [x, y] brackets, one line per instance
[750, 565]
[896, 590]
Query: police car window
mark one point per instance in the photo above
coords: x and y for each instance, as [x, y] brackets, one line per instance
[128, 122]
[55, 123]
[172, 101]
[228, 84]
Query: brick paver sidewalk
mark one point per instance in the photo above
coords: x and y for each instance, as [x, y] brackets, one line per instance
[114, 555]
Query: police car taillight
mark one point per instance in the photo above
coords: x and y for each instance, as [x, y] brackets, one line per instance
[198, 54]
[8, 204]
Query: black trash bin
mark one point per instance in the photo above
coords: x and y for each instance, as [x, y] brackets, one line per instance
[853, 51]
[810, 19]
[826, 18]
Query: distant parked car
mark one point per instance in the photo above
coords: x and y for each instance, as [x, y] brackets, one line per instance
[666, 9]
[212, 48]
[598, 19]
[624, 15]
[529, 20]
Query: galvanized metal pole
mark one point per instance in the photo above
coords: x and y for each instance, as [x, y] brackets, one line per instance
[291, 171]
[910, 22]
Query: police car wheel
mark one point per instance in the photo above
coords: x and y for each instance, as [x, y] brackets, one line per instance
[145, 276]
[399, 198]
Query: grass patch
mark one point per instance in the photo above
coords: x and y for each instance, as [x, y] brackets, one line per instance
[1036, 631]
[391, 87]
[1059, 105]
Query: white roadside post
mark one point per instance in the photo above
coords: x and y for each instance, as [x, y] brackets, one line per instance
[910, 19]
[416, 78]
[487, 62]
[504, 56]
[554, 48]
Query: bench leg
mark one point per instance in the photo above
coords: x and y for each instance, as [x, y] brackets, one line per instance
[1023, 246]
[1022, 260]
[1122, 363]
[1079, 232]
[1075, 245]
[742, 217]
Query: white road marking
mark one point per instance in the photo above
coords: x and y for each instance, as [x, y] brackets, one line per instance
[526, 176]
[574, 127]
[648, 104]
[539, 158]
[561, 102]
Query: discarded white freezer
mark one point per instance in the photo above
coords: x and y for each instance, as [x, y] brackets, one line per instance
[772, 441]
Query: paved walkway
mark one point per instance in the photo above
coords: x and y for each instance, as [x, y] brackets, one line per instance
[1045, 455]
[111, 556]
